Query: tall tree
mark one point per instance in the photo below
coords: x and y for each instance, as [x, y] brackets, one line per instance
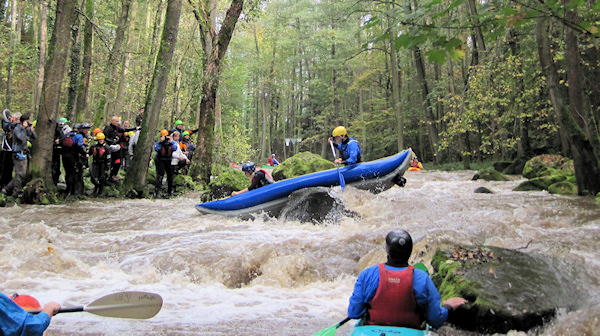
[42, 55]
[137, 172]
[86, 73]
[58, 51]
[215, 47]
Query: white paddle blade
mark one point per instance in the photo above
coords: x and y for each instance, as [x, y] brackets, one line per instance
[136, 305]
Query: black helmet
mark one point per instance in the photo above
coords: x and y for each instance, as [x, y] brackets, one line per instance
[76, 127]
[248, 167]
[398, 244]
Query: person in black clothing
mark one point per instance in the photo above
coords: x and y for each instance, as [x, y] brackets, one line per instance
[100, 153]
[258, 177]
[164, 148]
[8, 124]
[113, 134]
[138, 119]
[22, 133]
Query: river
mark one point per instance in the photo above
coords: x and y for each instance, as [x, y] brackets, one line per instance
[226, 276]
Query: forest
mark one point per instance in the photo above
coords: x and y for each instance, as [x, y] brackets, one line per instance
[456, 81]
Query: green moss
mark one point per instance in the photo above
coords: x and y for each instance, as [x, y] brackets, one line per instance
[184, 183]
[301, 164]
[563, 188]
[227, 182]
[491, 175]
[528, 186]
[544, 165]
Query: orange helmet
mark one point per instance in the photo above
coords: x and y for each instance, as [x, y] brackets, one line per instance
[164, 132]
[96, 131]
[27, 302]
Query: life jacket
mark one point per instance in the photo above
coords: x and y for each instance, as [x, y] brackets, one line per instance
[344, 150]
[165, 151]
[394, 303]
[268, 178]
[67, 140]
[99, 153]
[183, 146]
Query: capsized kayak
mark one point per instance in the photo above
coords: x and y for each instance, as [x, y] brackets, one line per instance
[375, 176]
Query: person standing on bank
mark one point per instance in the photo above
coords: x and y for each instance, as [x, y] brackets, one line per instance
[259, 178]
[396, 294]
[348, 147]
[22, 133]
[164, 148]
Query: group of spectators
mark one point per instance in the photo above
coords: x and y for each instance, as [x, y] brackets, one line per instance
[111, 151]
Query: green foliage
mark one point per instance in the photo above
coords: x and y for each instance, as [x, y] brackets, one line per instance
[301, 164]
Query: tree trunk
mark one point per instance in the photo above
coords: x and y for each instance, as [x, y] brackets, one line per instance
[524, 144]
[11, 57]
[74, 71]
[426, 104]
[217, 45]
[50, 98]
[126, 59]
[106, 106]
[137, 172]
[84, 82]
[42, 55]
[396, 107]
[585, 138]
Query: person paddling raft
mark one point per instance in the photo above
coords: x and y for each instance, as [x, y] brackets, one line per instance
[348, 147]
[15, 320]
[258, 177]
[397, 294]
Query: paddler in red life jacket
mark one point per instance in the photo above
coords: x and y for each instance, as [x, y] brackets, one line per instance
[396, 294]
[348, 147]
[100, 153]
[15, 320]
[164, 148]
[258, 177]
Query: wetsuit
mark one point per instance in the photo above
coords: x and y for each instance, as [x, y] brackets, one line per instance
[6, 153]
[72, 150]
[100, 154]
[426, 295]
[350, 151]
[14, 320]
[164, 154]
[260, 179]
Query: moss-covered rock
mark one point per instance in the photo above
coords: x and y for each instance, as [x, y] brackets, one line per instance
[301, 164]
[538, 166]
[528, 186]
[506, 289]
[491, 174]
[184, 183]
[563, 188]
[224, 184]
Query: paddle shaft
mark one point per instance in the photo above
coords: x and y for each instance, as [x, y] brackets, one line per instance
[342, 181]
[343, 322]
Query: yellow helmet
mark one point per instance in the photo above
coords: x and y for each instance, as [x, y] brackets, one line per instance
[100, 136]
[340, 130]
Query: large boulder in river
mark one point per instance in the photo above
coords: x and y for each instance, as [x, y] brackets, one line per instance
[301, 164]
[553, 173]
[316, 205]
[224, 184]
[506, 289]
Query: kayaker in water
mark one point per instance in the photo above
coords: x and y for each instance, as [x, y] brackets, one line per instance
[258, 177]
[348, 147]
[14, 320]
[396, 294]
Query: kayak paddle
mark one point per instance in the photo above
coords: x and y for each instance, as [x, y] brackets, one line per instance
[331, 330]
[136, 305]
[342, 181]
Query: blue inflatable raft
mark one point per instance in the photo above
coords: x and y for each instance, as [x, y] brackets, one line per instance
[375, 176]
[376, 330]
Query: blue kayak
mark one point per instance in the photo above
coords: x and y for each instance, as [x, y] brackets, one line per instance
[376, 330]
[375, 175]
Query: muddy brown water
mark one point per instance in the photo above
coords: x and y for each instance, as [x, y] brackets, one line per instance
[225, 276]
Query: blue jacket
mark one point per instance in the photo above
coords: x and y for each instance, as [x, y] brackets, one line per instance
[426, 294]
[15, 321]
[350, 151]
[20, 137]
[158, 146]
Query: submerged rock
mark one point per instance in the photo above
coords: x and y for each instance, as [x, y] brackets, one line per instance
[506, 289]
[315, 205]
